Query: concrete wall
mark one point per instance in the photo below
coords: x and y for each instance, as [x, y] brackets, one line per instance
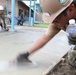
[16, 7]
[39, 16]
[2, 2]
[45, 16]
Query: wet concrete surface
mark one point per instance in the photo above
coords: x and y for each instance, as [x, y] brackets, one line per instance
[15, 42]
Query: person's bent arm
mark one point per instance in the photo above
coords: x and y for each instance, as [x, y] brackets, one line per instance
[50, 33]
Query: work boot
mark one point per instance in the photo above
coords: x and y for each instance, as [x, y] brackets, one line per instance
[6, 29]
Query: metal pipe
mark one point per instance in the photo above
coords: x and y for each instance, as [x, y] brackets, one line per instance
[7, 6]
[30, 13]
[34, 11]
[13, 15]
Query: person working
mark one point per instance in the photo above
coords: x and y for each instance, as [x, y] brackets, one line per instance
[60, 11]
[21, 19]
[2, 19]
[9, 17]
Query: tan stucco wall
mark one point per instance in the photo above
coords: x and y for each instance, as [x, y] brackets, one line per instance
[2, 2]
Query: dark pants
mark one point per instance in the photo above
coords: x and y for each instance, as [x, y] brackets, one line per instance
[3, 25]
[10, 20]
[19, 22]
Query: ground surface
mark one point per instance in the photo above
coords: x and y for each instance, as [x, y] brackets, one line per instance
[14, 43]
[63, 69]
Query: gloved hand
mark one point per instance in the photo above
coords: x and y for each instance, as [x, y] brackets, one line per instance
[23, 58]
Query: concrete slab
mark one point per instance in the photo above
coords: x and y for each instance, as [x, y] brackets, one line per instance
[13, 43]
